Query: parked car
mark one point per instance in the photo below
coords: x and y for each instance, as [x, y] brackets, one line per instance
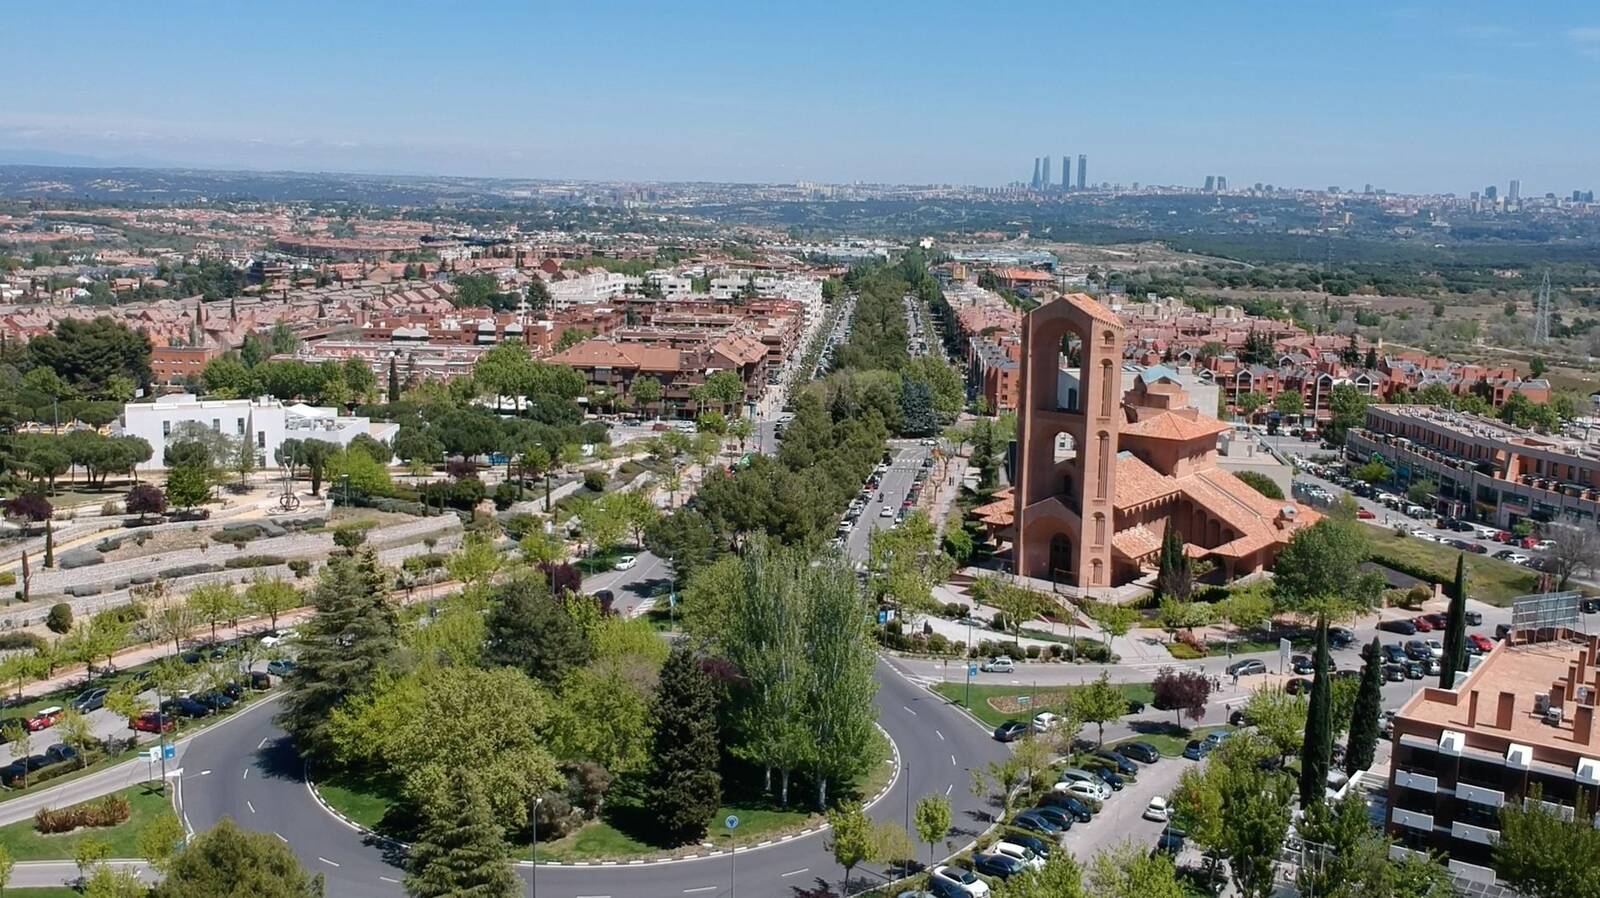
[1477, 643]
[1010, 731]
[1195, 750]
[1001, 664]
[1339, 637]
[1501, 631]
[1215, 738]
[1417, 650]
[1512, 556]
[1394, 673]
[1435, 647]
[1044, 722]
[1589, 606]
[1032, 822]
[1414, 670]
[154, 722]
[1474, 618]
[1084, 789]
[1301, 664]
[1171, 841]
[280, 667]
[1119, 761]
[1365, 514]
[1080, 810]
[1139, 751]
[12, 774]
[1394, 653]
[215, 699]
[1401, 626]
[1422, 623]
[1247, 667]
[1062, 818]
[185, 706]
[1158, 810]
[277, 637]
[998, 865]
[44, 719]
[90, 700]
[952, 881]
[1109, 777]
[1019, 852]
[1297, 685]
[60, 753]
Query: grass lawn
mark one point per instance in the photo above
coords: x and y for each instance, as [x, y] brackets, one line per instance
[46, 892]
[995, 705]
[1488, 579]
[1171, 741]
[27, 844]
[619, 835]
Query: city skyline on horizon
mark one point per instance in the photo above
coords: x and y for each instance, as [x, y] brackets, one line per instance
[742, 95]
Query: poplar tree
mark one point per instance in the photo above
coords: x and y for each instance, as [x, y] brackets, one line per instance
[1363, 742]
[843, 658]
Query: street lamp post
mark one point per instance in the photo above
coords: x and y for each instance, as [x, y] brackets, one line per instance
[533, 872]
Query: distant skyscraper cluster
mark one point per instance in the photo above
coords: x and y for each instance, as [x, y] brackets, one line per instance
[1043, 179]
[1216, 183]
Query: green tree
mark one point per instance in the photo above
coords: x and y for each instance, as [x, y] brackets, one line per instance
[20, 738]
[1542, 855]
[1061, 877]
[646, 391]
[603, 715]
[88, 852]
[1289, 404]
[228, 862]
[843, 654]
[1098, 703]
[1127, 871]
[1348, 407]
[1318, 753]
[160, 840]
[59, 620]
[1175, 577]
[1363, 742]
[270, 598]
[1279, 718]
[461, 850]
[850, 839]
[351, 640]
[1455, 628]
[1250, 403]
[1314, 572]
[188, 486]
[933, 821]
[213, 603]
[530, 629]
[684, 788]
[7, 865]
[108, 882]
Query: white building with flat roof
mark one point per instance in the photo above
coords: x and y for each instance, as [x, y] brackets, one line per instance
[266, 422]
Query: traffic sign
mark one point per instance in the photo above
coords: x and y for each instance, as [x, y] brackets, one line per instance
[169, 751]
[153, 753]
[883, 615]
[732, 822]
[1024, 700]
[972, 669]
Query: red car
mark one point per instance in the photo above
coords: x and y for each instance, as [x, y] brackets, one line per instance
[1422, 624]
[45, 719]
[1365, 514]
[153, 722]
[658, 427]
[1479, 643]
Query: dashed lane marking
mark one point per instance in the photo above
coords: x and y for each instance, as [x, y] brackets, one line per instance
[939, 734]
[326, 861]
[948, 788]
[280, 837]
[250, 806]
[701, 889]
[953, 761]
[909, 711]
[797, 872]
[246, 774]
[388, 879]
[205, 773]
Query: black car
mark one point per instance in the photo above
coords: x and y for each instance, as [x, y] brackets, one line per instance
[1239, 719]
[1588, 606]
[1072, 804]
[1394, 653]
[59, 753]
[1394, 673]
[1171, 841]
[1061, 818]
[1123, 765]
[90, 700]
[1108, 777]
[1501, 631]
[185, 706]
[997, 865]
[215, 699]
[1034, 823]
[1301, 664]
[1474, 618]
[1139, 751]
[1414, 670]
[1339, 637]
[1297, 685]
[1032, 843]
[1399, 625]
[11, 774]
[1010, 731]
[1135, 706]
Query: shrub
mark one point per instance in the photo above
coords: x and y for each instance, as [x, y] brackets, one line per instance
[1033, 652]
[999, 622]
[18, 640]
[301, 567]
[505, 494]
[189, 570]
[938, 644]
[108, 810]
[76, 558]
[59, 620]
[1261, 483]
[235, 538]
[8, 578]
[249, 561]
[110, 508]
[954, 610]
[594, 480]
[1057, 651]
[1185, 652]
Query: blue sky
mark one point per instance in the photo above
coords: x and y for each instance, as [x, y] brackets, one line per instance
[1413, 97]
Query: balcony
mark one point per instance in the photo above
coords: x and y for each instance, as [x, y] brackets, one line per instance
[1480, 834]
[1412, 819]
[1479, 795]
[1418, 781]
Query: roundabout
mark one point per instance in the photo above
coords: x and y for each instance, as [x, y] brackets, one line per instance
[247, 770]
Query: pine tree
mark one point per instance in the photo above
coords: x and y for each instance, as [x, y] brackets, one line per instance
[352, 639]
[684, 789]
[1455, 628]
[1363, 742]
[394, 382]
[1318, 752]
[462, 851]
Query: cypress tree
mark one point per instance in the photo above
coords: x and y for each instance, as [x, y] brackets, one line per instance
[684, 789]
[394, 382]
[461, 851]
[1318, 752]
[1455, 628]
[1369, 702]
[1175, 578]
[49, 543]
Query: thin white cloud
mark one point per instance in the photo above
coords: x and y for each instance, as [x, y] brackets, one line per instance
[1586, 39]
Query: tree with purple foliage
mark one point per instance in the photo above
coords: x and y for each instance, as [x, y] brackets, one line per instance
[1182, 691]
[563, 579]
[146, 499]
[29, 508]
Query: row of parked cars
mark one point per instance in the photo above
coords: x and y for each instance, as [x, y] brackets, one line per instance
[1032, 835]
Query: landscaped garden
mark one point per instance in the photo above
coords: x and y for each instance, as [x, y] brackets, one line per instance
[116, 821]
[995, 705]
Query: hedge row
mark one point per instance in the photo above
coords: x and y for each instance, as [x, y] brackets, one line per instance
[248, 561]
[108, 810]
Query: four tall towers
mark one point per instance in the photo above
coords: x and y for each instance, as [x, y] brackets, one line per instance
[1042, 179]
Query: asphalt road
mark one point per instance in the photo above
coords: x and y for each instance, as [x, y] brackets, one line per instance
[893, 487]
[246, 769]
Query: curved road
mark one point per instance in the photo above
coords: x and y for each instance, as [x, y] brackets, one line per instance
[246, 769]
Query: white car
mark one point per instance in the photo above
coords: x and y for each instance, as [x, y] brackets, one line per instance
[886, 512]
[1018, 852]
[278, 638]
[1001, 664]
[1435, 648]
[961, 880]
[1158, 810]
[1545, 545]
[626, 562]
[1084, 789]
[1424, 535]
[1044, 722]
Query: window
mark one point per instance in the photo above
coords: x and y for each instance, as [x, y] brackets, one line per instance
[216, 424]
[166, 428]
[261, 439]
[241, 426]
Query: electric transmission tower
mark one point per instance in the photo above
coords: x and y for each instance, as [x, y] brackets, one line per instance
[1541, 312]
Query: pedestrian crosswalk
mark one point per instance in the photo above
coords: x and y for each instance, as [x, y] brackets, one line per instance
[643, 608]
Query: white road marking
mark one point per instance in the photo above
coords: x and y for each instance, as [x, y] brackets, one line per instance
[326, 861]
[953, 761]
[701, 889]
[246, 774]
[939, 734]
[264, 743]
[205, 773]
[796, 872]
[250, 806]
[387, 879]
[280, 837]
[948, 788]
[909, 711]
[593, 896]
